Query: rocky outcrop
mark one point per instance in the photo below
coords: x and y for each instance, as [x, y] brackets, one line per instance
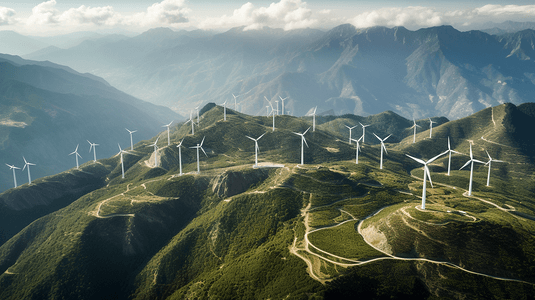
[230, 183]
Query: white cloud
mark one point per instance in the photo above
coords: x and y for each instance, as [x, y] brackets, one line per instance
[496, 10]
[44, 13]
[162, 13]
[412, 16]
[90, 15]
[7, 16]
[288, 14]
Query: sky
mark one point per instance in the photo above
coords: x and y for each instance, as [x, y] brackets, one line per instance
[55, 17]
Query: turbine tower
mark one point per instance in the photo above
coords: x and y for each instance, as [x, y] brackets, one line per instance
[27, 164]
[313, 114]
[450, 151]
[489, 162]
[272, 112]
[357, 149]
[94, 147]
[303, 141]
[14, 176]
[121, 151]
[427, 173]
[199, 146]
[155, 152]
[471, 162]
[382, 147]
[235, 103]
[256, 149]
[224, 110]
[431, 127]
[363, 131]
[350, 128]
[76, 155]
[277, 106]
[168, 138]
[180, 156]
[414, 135]
[131, 141]
[282, 100]
[198, 119]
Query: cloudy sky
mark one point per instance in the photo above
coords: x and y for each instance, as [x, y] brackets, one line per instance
[63, 16]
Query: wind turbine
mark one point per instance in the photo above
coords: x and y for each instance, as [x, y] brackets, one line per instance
[256, 149]
[426, 172]
[272, 112]
[94, 147]
[27, 164]
[450, 151]
[14, 176]
[277, 105]
[363, 131]
[224, 110]
[471, 162]
[168, 138]
[282, 100]
[155, 152]
[313, 113]
[414, 126]
[199, 146]
[267, 110]
[198, 119]
[121, 151]
[180, 156]
[235, 103]
[192, 123]
[303, 141]
[357, 149]
[489, 162]
[350, 128]
[76, 155]
[431, 127]
[131, 141]
[382, 147]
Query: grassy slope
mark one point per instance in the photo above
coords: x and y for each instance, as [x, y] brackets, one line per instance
[177, 237]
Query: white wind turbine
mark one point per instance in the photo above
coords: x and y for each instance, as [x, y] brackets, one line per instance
[350, 128]
[155, 152]
[198, 118]
[450, 151]
[313, 114]
[431, 127]
[180, 156]
[14, 176]
[27, 164]
[382, 147]
[224, 110]
[235, 103]
[131, 141]
[357, 149]
[427, 173]
[488, 163]
[414, 135]
[199, 146]
[94, 147]
[364, 131]
[471, 162]
[256, 149]
[192, 123]
[76, 155]
[267, 110]
[168, 137]
[303, 141]
[272, 112]
[121, 151]
[282, 100]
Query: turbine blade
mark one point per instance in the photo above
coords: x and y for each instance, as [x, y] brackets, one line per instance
[250, 138]
[261, 136]
[305, 140]
[203, 151]
[417, 159]
[466, 164]
[478, 161]
[449, 148]
[377, 137]
[429, 175]
[383, 144]
[387, 137]
[202, 142]
[432, 159]
[306, 131]
[490, 158]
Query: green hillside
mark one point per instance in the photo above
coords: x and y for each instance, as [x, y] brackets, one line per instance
[328, 229]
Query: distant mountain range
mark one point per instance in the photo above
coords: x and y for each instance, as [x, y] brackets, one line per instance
[328, 229]
[46, 110]
[437, 71]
